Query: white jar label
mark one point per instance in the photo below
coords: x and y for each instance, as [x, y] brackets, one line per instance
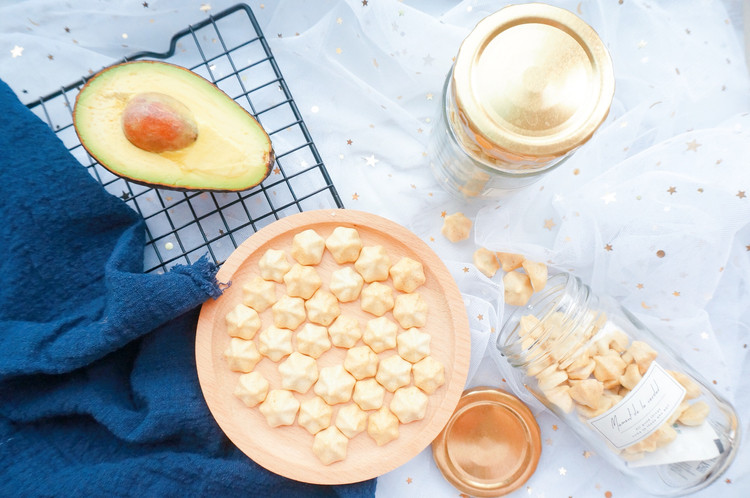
[642, 411]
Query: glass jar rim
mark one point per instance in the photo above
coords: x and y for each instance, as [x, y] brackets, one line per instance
[541, 305]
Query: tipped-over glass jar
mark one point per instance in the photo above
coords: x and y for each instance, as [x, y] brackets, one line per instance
[620, 388]
[531, 83]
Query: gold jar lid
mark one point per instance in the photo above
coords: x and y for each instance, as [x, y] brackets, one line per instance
[491, 444]
[532, 80]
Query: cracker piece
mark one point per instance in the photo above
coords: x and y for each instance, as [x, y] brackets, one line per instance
[308, 247]
[486, 262]
[344, 244]
[456, 227]
[330, 445]
[407, 275]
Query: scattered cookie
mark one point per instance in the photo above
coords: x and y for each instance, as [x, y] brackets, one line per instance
[695, 414]
[313, 340]
[330, 445]
[393, 372]
[243, 322]
[361, 362]
[345, 331]
[510, 261]
[486, 262]
[518, 288]
[380, 334]
[368, 394]
[280, 407]
[275, 343]
[259, 294]
[410, 310]
[373, 263]
[314, 414]
[288, 312]
[334, 385]
[273, 265]
[409, 404]
[407, 275]
[351, 420]
[322, 308]
[537, 273]
[298, 372]
[429, 374]
[251, 389]
[308, 247]
[692, 388]
[344, 244]
[302, 281]
[346, 284]
[376, 299]
[241, 355]
[383, 426]
[456, 227]
[413, 345]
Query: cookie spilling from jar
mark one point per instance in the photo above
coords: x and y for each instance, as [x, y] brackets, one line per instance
[522, 277]
[388, 371]
[592, 368]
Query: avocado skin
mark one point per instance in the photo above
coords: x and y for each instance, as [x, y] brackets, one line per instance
[269, 156]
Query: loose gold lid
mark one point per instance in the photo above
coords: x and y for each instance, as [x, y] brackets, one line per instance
[533, 80]
[491, 444]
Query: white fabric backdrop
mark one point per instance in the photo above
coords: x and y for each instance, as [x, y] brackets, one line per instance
[667, 171]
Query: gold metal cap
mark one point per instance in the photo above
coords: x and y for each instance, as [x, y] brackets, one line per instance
[533, 80]
[491, 444]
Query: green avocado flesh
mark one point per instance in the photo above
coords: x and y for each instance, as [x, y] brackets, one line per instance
[231, 152]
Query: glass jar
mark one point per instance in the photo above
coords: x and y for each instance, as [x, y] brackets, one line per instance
[531, 83]
[620, 388]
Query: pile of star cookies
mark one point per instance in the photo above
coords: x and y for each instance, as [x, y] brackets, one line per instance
[308, 322]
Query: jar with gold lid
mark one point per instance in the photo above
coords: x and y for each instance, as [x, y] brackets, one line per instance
[620, 388]
[530, 84]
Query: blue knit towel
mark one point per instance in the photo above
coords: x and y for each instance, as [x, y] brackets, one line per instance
[99, 394]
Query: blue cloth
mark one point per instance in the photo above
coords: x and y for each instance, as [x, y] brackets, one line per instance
[98, 389]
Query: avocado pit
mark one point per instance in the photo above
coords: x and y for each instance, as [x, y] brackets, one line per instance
[156, 122]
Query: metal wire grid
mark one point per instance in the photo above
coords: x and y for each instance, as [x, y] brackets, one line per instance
[183, 226]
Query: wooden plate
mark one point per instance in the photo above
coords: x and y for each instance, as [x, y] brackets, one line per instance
[288, 450]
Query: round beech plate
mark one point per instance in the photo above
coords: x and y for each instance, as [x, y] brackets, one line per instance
[287, 450]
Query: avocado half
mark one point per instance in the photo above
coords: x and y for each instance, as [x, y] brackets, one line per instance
[227, 149]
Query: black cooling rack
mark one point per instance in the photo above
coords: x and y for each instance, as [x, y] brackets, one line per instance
[230, 50]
